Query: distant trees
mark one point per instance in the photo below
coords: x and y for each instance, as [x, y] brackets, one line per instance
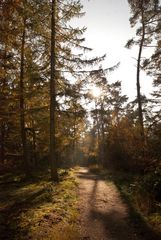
[107, 117]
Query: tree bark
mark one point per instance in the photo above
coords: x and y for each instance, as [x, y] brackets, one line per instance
[22, 105]
[2, 147]
[53, 160]
[74, 142]
[2, 127]
[34, 147]
[140, 111]
[103, 136]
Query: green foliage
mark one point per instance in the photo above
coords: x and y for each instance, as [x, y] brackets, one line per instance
[142, 194]
[152, 182]
[143, 208]
[39, 209]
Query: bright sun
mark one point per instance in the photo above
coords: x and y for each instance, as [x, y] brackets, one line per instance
[96, 91]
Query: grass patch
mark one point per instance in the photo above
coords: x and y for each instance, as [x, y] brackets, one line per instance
[39, 209]
[141, 203]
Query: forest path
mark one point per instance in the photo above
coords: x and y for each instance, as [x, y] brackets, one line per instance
[103, 214]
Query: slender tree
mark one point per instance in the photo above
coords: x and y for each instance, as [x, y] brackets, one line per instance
[53, 161]
[142, 11]
[22, 105]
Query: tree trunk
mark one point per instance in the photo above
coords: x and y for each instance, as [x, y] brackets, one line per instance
[22, 106]
[103, 136]
[74, 142]
[140, 111]
[2, 147]
[34, 147]
[4, 99]
[97, 123]
[98, 134]
[53, 160]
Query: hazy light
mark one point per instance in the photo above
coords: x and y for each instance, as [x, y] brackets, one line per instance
[96, 91]
[104, 17]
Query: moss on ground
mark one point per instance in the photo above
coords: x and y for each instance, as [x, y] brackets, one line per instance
[39, 209]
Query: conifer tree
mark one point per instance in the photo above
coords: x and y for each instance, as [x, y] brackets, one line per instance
[143, 12]
[28, 46]
[63, 59]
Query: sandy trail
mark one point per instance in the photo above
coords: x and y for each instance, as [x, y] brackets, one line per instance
[103, 214]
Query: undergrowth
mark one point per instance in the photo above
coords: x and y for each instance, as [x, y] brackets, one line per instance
[141, 192]
[39, 209]
[145, 208]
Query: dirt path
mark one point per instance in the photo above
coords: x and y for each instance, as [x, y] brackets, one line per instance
[103, 214]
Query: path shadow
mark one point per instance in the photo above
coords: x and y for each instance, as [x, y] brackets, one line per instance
[117, 226]
[119, 229]
[88, 175]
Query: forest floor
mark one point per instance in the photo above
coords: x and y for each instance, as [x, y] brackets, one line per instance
[104, 215]
[82, 206]
[36, 208]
